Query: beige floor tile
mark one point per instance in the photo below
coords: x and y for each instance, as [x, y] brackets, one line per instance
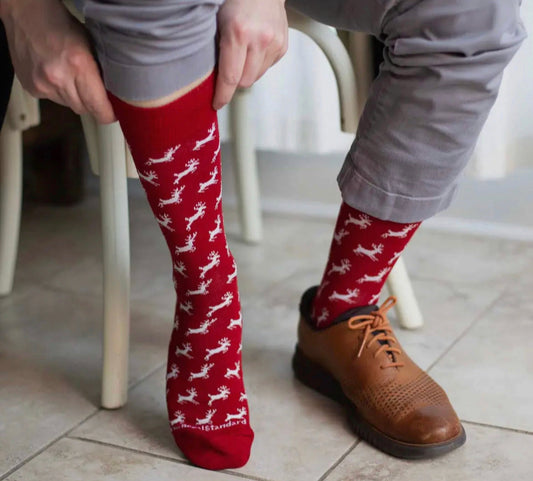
[75, 460]
[465, 260]
[489, 371]
[141, 425]
[54, 238]
[36, 406]
[489, 454]
[61, 333]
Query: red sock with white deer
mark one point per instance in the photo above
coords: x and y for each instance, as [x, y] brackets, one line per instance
[363, 251]
[176, 149]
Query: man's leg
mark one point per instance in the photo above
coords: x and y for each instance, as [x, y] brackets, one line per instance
[157, 60]
[442, 70]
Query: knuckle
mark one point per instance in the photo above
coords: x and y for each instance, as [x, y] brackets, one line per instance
[267, 37]
[241, 30]
[77, 60]
[52, 74]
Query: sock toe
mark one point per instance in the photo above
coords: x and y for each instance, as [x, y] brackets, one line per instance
[224, 450]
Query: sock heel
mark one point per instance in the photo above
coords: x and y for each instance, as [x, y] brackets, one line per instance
[316, 377]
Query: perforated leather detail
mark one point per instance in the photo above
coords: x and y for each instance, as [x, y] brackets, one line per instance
[397, 400]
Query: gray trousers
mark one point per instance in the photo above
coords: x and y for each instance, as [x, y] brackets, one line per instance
[443, 64]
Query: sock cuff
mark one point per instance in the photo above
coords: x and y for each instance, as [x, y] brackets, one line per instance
[184, 115]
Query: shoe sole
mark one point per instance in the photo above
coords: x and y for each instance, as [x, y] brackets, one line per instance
[317, 378]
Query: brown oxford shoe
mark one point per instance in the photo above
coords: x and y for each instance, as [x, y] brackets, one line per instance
[391, 403]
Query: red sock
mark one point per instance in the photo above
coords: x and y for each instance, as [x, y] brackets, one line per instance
[176, 150]
[363, 251]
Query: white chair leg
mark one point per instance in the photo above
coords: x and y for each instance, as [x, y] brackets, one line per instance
[10, 204]
[341, 63]
[116, 255]
[246, 178]
[407, 308]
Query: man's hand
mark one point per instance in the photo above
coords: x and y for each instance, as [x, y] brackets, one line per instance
[52, 56]
[253, 37]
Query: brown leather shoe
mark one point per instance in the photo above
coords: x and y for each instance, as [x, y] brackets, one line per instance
[391, 402]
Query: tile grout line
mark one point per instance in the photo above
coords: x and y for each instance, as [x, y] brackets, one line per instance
[503, 293]
[499, 428]
[340, 460]
[162, 457]
[467, 330]
[66, 433]
[143, 378]
[132, 450]
[48, 445]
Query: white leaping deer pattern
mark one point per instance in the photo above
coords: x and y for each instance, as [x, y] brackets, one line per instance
[175, 198]
[214, 260]
[149, 177]
[203, 373]
[165, 221]
[216, 231]
[207, 419]
[233, 372]
[190, 167]
[223, 346]
[203, 329]
[401, 234]
[202, 290]
[189, 398]
[362, 221]
[199, 212]
[370, 253]
[222, 394]
[189, 245]
[341, 269]
[179, 418]
[185, 350]
[211, 181]
[210, 136]
[241, 414]
[168, 156]
[227, 298]
[350, 296]
[377, 278]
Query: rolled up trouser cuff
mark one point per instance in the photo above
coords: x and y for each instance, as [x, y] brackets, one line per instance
[363, 195]
[142, 82]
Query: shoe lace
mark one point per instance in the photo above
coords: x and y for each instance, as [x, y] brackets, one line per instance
[377, 329]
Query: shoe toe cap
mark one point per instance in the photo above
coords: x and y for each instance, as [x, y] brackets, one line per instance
[431, 425]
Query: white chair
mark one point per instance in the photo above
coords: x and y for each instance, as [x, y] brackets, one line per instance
[111, 160]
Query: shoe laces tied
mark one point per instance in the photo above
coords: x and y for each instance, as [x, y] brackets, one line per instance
[378, 329]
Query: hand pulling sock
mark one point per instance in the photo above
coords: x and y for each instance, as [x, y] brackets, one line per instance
[176, 149]
[363, 251]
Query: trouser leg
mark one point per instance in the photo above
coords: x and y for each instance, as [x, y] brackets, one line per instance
[149, 49]
[442, 68]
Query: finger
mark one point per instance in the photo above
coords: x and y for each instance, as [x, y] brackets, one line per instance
[70, 96]
[231, 63]
[270, 60]
[255, 59]
[94, 96]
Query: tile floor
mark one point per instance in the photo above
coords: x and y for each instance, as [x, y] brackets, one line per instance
[475, 294]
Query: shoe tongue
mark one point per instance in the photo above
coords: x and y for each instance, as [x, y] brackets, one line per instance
[355, 311]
